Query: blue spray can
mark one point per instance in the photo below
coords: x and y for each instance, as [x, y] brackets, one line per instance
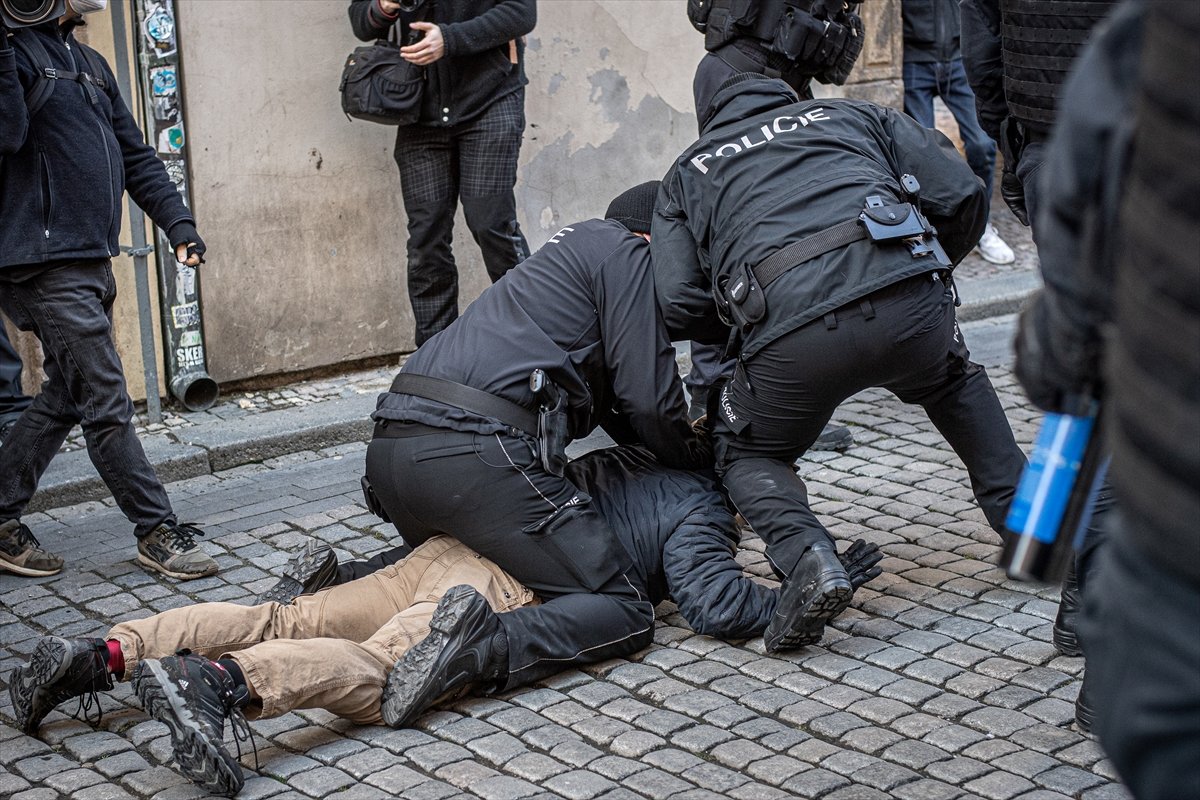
[1053, 502]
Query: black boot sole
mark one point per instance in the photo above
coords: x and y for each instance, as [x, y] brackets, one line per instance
[49, 662]
[202, 760]
[433, 669]
[313, 569]
[806, 624]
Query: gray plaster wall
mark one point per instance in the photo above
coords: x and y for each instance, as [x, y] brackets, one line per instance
[301, 207]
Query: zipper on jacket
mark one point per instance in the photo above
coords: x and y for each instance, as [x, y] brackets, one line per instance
[47, 195]
[112, 184]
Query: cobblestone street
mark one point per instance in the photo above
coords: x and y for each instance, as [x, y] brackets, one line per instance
[940, 682]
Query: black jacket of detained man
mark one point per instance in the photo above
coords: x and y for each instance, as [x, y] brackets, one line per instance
[583, 310]
[769, 171]
[681, 537]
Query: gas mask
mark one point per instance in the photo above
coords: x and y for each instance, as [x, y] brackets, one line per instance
[26, 13]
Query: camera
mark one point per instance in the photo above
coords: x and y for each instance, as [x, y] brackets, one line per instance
[26, 13]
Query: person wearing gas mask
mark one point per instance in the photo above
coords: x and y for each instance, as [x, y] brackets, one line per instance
[797, 41]
[812, 226]
[70, 148]
[466, 141]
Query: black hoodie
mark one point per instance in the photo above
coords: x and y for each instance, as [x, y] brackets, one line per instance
[769, 171]
[63, 173]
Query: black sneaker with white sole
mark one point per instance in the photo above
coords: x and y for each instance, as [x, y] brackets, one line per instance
[193, 697]
[466, 647]
[312, 569]
[817, 591]
[58, 670]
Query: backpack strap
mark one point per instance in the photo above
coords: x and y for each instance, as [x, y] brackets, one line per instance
[43, 86]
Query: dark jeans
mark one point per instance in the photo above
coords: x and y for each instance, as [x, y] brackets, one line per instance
[924, 81]
[13, 400]
[491, 494]
[69, 308]
[903, 338]
[1141, 633]
[476, 161]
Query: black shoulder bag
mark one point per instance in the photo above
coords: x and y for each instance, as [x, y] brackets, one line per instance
[378, 85]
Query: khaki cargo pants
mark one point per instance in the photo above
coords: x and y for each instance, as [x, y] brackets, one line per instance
[333, 649]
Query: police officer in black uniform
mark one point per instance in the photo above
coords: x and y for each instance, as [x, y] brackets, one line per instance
[762, 213]
[1017, 55]
[466, 444]
[797, 40]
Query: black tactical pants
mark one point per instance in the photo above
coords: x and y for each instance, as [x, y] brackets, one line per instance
[477, 162]
[1143, 660]
[903, 338]
[491, 494]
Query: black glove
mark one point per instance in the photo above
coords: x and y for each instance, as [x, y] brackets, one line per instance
[860, 560]
[185, 233]
[1041, 380]
[1011, 144]
[1013, 192]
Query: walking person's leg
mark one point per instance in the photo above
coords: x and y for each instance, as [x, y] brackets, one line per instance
[13, 400]
[980, 151]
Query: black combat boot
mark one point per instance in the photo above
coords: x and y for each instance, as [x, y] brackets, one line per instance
[466, 647]
[1065, 639]
[58, 670]
[817, 591]
[312, 569]
[193, 696]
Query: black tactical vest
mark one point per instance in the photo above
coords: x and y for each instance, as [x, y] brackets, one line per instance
[1154, 361]
[1041, 39]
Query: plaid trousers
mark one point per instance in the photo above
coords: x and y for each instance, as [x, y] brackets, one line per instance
[477, 161]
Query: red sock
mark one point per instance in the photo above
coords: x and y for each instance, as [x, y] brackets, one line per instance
[116, 660]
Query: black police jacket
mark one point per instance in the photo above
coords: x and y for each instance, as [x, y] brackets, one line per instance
[63, 173]
[582, 309]
[681, 538]
[477, 68]
[769, 171]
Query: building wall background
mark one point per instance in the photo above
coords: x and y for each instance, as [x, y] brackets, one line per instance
[300, 207]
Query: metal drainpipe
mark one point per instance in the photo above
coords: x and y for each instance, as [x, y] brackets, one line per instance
[179, 285]
[137, 228]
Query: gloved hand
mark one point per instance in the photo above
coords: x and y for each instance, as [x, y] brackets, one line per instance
[189, 247]
[860, 560]
[1044, 377]
[1013, 192]
[1011, 144]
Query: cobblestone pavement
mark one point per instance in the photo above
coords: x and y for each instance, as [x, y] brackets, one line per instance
[939, 682]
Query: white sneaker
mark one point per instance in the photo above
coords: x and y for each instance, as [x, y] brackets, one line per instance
[993, 248]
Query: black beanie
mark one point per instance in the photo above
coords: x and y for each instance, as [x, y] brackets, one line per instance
[634, 208]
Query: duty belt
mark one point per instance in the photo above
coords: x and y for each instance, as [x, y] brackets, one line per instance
[807, 249]
[467, 398]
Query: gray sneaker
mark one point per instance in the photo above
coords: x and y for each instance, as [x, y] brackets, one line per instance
[20, 552]
[171, 550]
